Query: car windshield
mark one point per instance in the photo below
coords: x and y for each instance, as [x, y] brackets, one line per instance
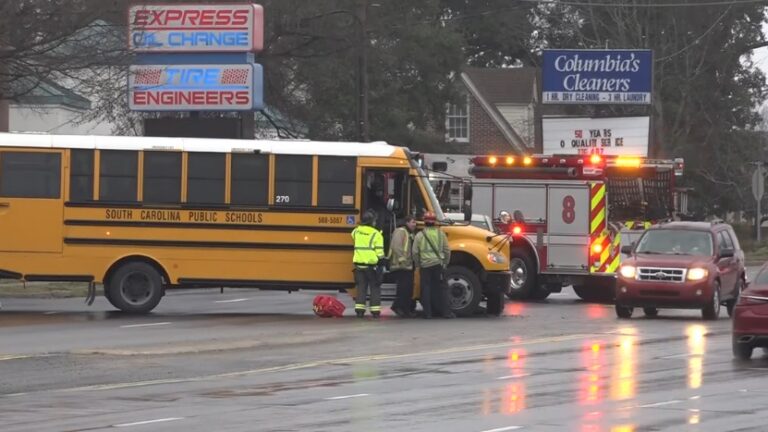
[676, 242]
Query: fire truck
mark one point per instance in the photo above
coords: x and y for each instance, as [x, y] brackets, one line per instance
[572, 214]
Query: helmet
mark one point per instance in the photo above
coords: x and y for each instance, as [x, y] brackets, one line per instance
[369, 217]
[429, 217]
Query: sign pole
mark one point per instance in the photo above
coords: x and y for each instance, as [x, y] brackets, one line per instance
[758, 190]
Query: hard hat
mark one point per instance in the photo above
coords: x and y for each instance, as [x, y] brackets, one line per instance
[430, 217]
[503, 213]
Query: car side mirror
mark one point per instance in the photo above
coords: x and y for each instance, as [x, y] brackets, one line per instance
[727, 253]
[627, 249]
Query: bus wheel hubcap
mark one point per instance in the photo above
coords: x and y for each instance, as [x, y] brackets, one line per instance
[460, 292]
[136, 288]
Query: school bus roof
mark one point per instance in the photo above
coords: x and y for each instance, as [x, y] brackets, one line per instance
[214, 145]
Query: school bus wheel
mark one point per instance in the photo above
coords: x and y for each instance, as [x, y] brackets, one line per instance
[135, 287]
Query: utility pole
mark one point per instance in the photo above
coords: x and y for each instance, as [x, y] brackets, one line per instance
[363, 129]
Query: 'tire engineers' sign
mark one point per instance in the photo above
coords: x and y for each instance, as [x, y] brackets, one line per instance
[235, 87]
[196, 28]
[597, 77]
[615, 136]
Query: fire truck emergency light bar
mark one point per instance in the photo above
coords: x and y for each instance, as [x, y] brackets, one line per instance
[565, 166]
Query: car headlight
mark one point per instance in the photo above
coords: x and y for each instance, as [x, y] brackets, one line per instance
[628, 271]
[697, 273]
[496, 258]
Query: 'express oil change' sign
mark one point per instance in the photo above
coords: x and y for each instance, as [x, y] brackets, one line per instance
[597, 77]
[616, 136]
[196, 28]
[236, 87]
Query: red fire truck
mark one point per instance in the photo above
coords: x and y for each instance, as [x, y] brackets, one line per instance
[572, 214]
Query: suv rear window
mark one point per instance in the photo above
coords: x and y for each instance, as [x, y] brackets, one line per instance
[676, 242]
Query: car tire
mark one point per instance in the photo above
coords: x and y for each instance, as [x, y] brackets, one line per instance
[730, 304]
[523, 284]
[712, 310]
[624, 312]
[464, 290]
[651, 312]
[742, 351]
[494, 304]
[135, 287]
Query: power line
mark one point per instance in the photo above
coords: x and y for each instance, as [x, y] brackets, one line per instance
[648, 5]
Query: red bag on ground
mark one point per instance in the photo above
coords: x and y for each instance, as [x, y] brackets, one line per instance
[328, 307]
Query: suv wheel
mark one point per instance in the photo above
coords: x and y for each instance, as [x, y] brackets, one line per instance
[624, 312]
[712, 310]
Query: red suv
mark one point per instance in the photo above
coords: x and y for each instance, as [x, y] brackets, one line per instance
[750, 318]
[682, 265]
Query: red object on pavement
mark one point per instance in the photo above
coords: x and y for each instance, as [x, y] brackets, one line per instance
[328, 307]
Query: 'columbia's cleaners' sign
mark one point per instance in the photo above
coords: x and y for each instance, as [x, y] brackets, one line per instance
[597, 77]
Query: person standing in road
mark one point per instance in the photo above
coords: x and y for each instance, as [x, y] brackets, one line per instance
[401, 265]
[368, 255]
[431, 253]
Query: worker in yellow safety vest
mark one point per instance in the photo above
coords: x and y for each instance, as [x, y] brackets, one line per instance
[400, 259]
[432, 254]
[369, 254]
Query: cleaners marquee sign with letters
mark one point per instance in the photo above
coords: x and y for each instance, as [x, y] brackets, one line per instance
[597, 77]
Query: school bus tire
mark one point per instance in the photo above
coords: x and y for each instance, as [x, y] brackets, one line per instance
[495, 304]
[134, 287]
[464, 290]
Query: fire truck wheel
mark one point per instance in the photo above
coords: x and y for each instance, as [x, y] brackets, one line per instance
[464, 290]
[595, 291]
[136, 287]
[495, 304]
[523, 283]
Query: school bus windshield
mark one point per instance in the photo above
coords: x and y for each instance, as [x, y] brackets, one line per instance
[424, 180]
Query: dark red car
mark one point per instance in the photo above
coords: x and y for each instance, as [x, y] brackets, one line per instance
[750, 318]
[682, 265]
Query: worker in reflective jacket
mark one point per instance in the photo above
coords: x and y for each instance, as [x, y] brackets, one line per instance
[401, 264]
[369, 254]
[431, 253]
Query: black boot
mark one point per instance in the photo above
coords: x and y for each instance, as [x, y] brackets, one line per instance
[360, 313]
[376, 314]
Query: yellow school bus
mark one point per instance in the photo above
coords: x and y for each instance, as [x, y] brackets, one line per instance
[142, 215]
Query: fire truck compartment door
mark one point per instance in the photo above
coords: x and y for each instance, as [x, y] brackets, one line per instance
[568, 227]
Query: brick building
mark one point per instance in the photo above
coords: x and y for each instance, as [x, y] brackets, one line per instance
[500, 113]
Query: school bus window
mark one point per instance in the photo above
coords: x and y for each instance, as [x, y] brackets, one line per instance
[293, 180]
[118, 175]
[336, 178]
[250, 179]
[81, 175]
[30, 175]
[162, 177]
[418, 206]
[205, 178]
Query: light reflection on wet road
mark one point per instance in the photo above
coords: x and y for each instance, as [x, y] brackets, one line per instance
[560, 365]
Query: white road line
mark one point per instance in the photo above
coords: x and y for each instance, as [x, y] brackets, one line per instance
[50, 313]
[508, 428]
[675, 356]
[347, 396]
[232, 301]
[672, 402]
[506, 377]
[694, 398]
[144, 325]
[162, 420]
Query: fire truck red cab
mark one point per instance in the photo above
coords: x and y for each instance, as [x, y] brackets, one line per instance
[571, 214]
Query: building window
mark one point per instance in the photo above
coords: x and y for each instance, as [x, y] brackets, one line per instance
[206, 174]
[30, 175]
[118, 175]
[250, 179]
[162, 177]
[457, 122]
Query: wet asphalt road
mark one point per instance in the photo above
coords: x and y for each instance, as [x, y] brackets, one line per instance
[260, 361]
